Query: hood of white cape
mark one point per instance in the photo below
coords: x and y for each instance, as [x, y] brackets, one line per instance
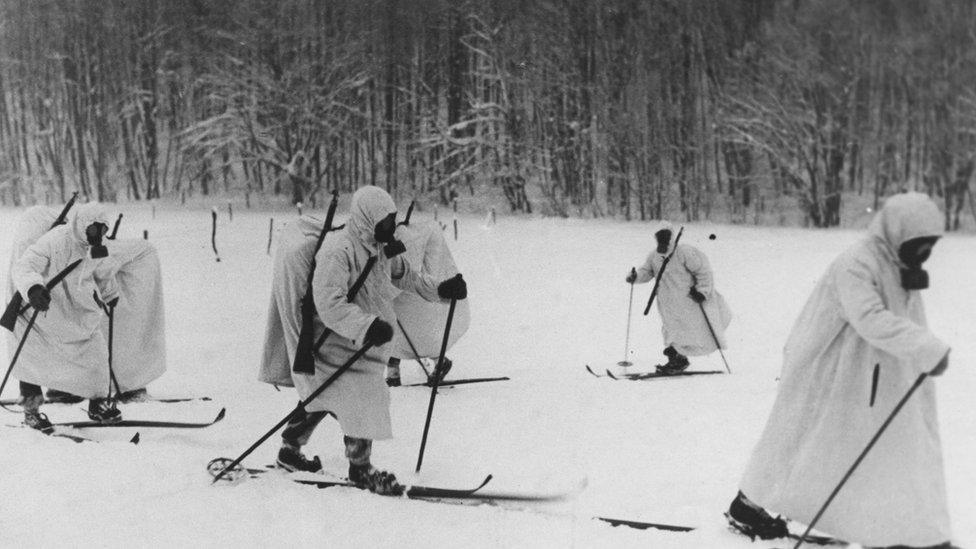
[370, 205]
[904, 217]
[665, 226]
[80, 217]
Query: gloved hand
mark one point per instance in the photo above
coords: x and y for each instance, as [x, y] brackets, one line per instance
[453, 288]
[39, 297]
[696, 296]
[112, 302]
[379, 332]
[631, 276]
[940, 367]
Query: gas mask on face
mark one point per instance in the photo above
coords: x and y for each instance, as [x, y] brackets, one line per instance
[913, 253]
[94, 234]
[663, 240]
[385, 232]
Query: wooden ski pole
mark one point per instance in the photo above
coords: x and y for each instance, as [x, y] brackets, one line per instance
[110, 309]
[301, 406]
[433, 389]
[714, 337]
[630, 308]
[413, 349]
[20, 346]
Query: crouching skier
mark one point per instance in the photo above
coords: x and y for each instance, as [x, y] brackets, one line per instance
[139, 356]
[419, 327]
[66, 349]
[686, 293]
[357, 273]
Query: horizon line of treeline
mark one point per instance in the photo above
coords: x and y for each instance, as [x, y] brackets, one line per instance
[769, 111]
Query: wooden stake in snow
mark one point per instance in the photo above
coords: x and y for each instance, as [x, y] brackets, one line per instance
[299, 206]
[270, 232]
[145, 234]
[455, 221]
[154, 211]
[213, 233]
[230, 212]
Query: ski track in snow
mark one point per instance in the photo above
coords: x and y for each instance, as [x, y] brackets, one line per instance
[547, 297]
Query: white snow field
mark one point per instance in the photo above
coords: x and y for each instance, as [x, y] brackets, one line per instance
[547, 297]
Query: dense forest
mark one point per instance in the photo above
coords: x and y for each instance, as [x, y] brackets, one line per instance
[693, 109]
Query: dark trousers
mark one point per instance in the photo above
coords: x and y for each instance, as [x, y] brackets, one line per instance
[301, 426]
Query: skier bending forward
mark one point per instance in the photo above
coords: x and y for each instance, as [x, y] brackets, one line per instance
[858, 345]
[66, 349]
[359, 398]
[686, 293]
[139, 329]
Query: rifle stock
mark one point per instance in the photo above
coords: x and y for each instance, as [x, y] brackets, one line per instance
[10, 314]
[304, 353]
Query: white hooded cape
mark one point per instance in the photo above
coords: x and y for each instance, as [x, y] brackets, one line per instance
[139, 354]
[682, 323]
[359, 397]
[859, 316]
[139, 339]
[66, 350]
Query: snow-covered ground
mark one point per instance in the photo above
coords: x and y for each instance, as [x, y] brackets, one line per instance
[547, 297]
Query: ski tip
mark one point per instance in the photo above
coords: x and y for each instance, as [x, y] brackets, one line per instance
[220, 415]
[135, 438]
[484, 482]
[610, 375]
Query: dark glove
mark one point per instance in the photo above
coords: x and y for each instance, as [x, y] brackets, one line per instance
[112, 302]
[39, 297]
[632, 276]
[453, 288]
[696, 296]
[379, 332]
